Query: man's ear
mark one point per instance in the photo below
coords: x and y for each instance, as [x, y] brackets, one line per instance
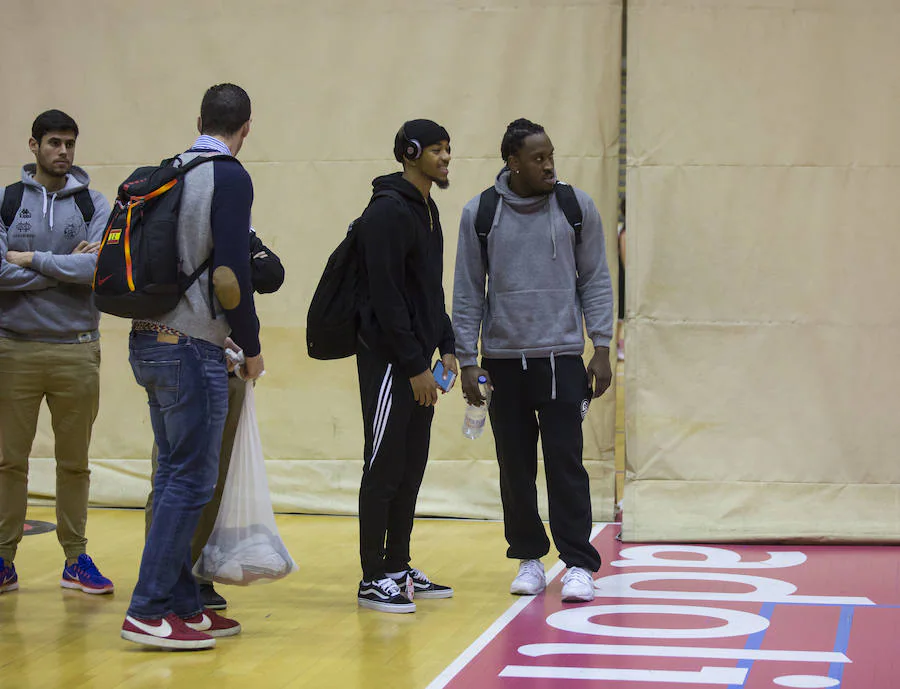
[199, 125]
[33, 144]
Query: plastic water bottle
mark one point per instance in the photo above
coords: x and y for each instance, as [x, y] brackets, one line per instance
[473, 422]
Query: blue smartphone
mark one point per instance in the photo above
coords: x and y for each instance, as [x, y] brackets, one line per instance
[438, 372]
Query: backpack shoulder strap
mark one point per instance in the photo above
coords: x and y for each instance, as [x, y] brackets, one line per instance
[568, 202]
[197, 160]
[484, 218]
[389, 193]
[396, 195]
[12, 199]
[85, 204]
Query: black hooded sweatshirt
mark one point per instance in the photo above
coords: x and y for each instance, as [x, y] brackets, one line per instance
[401, 250]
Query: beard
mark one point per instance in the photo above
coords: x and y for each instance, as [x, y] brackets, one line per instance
[51, 171]
[441, 183]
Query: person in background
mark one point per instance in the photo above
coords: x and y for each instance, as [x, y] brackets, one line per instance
[49, 341]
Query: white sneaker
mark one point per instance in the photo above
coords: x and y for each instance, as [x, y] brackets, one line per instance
[577, 586]
[530, 580]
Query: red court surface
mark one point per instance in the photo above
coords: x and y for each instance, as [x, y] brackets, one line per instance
[702, 616]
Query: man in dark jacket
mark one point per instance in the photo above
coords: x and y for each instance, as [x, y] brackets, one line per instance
[403, 320]
[179, 359]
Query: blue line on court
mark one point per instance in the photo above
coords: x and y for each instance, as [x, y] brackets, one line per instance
[754, 641]
[842, 641]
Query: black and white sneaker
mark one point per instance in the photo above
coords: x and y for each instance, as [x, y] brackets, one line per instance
[422, 586]
[383, 595]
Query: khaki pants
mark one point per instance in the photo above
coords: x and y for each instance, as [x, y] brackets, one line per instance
[236, 391]
[68, 376]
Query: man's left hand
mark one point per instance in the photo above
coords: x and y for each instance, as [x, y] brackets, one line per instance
[599, 371]
[20, 258]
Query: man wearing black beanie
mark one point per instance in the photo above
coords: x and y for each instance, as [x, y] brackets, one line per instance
[403, 319]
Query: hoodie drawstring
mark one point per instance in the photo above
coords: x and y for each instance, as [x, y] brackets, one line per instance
[552, 372]
[552, 376]
[52, 203]
[552, 229]
[52, 200]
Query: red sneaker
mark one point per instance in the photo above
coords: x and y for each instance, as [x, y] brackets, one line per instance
[212, 623]
[168, 632]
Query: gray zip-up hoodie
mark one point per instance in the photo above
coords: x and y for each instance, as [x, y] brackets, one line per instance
[540, 282]
[51, 301]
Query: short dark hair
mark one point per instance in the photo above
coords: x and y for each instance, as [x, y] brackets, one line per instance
[52, 121]
[516, 133]
[224, 110]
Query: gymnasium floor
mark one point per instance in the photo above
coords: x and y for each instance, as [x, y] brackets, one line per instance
[677, 616]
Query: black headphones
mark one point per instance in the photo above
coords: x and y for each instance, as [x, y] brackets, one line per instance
[412, 149]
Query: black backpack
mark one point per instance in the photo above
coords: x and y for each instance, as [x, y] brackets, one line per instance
[138, 272]
[12, 199]
[332, 323]
[487, 208]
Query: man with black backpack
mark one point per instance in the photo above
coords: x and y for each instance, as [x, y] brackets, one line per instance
[403, 320]
[50, 228]
[538, 243]
[178, 357]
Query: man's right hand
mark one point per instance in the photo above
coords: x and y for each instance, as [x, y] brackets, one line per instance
[253, 367]
[425, 388]
[87, 248]
[470, 387]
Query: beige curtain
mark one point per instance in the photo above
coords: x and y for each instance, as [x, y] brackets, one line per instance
[762, 186]
[330, 83]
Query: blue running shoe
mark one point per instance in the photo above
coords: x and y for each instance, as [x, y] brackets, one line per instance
[9, 580]
[85, 576]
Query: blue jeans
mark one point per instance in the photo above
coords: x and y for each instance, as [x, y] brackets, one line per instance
[187, 390]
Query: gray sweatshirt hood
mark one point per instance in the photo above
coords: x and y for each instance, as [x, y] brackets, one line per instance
[527, 205]
[76, 180]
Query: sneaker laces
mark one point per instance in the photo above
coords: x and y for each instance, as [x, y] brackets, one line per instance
[86, 565]
[419, 575]
[389, 586]
[580, 575]
[532, 568]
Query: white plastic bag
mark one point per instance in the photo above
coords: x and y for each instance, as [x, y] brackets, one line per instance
[244, 546]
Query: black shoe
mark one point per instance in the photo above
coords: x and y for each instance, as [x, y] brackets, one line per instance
[211, 599]
[383, 595]
[422, 586]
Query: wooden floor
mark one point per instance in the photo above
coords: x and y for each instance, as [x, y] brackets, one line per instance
[303, 632]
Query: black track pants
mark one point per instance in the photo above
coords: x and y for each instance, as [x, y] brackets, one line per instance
[397, 433]
[522, 407]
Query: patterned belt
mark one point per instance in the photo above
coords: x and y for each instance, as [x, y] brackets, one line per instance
[154, 327]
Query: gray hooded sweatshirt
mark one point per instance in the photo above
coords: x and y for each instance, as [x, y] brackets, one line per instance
[51, 301]
[539, 285]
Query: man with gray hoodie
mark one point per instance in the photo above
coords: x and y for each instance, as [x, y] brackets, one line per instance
[49, 343]
[545, 271]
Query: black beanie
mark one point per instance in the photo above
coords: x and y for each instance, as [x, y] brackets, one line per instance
[426, 132]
